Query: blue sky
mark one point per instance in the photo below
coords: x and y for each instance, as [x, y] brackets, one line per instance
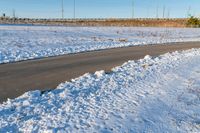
[99, 8]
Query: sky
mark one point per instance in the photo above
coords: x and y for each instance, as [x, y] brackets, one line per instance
[100, 8]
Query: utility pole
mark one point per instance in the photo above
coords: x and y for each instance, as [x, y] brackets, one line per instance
[164, 11]
[62, 9]
[188, 12]
[133, 12]
[148, 12]
[74, 9]
[14, 13]
[168, 13]
[157, 11]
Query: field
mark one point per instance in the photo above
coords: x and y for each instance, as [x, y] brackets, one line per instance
[30, 42]
[153, 94]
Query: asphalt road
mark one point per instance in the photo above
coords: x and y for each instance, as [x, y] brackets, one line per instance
[47, 73]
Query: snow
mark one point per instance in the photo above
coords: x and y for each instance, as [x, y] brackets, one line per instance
[154, 94]
[29, 42]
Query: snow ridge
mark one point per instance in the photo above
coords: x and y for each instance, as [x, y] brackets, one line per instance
[158, 94]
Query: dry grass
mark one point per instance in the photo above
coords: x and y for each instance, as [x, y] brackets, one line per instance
[104, 22]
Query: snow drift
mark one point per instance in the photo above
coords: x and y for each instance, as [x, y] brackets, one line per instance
[159, 94]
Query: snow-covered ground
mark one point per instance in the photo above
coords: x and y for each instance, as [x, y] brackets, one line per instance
[159, 94]
[29, 42]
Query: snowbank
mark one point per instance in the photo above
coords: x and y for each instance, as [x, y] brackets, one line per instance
[29, 42]
[149, 95]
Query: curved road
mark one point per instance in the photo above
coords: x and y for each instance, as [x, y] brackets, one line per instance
[47, 73]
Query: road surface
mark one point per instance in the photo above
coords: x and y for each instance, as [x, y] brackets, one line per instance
[48, 73]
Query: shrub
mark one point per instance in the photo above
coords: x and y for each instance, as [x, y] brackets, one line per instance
[193, 22]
